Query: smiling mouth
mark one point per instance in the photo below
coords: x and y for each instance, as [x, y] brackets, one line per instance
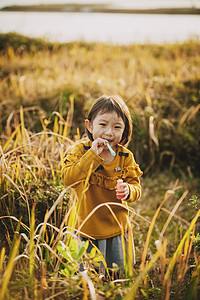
[109, 141]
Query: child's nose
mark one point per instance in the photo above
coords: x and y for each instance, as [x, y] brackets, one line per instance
[109, 130]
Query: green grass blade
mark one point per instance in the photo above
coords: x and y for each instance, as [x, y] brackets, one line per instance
[173, 212]
[1, 260]
[151, 229]
[11, 137]
[9, 270]
[179, 250]
[32, 243]
[23, 128]
[132, 293]
[16, 234]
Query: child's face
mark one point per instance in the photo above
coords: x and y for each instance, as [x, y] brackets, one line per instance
[108, 126]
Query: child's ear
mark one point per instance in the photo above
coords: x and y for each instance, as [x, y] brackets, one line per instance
[88, 125]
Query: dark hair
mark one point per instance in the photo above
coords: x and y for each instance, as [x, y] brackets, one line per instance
[108, 104]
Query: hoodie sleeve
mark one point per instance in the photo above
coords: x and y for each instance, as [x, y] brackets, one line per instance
[78, 163]
[131, 176]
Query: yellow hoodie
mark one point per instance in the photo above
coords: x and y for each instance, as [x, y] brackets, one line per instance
[106, 221]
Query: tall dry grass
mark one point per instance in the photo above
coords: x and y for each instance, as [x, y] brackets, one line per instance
[45, 91]
[160, 84]
[45, 255]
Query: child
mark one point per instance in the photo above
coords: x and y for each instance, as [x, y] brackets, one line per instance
[108, 121]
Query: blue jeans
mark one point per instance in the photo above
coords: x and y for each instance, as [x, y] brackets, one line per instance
[111, 250]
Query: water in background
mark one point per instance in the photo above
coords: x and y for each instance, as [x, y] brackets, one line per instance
[102, 27]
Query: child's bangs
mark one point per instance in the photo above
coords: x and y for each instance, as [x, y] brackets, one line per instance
[110, 107]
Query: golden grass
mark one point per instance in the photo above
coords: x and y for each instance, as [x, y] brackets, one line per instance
[39, 250]
[9, 269]
[160, 84]
[152, 80]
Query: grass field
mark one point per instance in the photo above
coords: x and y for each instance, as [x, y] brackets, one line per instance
[45, 92]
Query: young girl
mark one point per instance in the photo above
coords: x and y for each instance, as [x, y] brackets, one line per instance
[109, 129]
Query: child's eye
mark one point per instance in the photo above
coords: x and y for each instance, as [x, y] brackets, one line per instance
[118, 127]
[102, 124]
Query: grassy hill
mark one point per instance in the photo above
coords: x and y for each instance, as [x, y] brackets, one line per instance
[45, 92]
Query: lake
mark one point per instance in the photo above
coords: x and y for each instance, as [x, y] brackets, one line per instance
[102, 27]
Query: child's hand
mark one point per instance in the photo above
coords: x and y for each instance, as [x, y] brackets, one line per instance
[123, 191]
[98, 145]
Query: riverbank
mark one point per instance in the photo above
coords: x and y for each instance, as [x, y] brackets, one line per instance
[104, 8]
